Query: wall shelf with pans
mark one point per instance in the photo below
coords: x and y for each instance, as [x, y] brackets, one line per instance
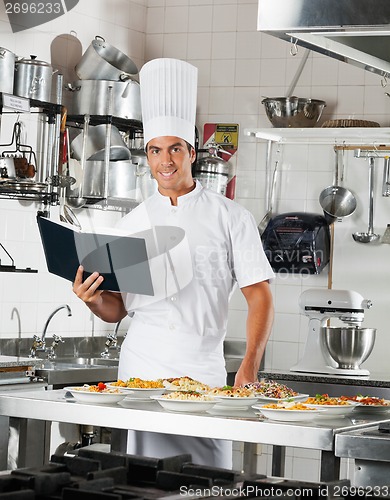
[374, 136]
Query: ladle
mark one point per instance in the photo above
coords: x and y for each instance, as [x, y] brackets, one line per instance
[337, 201]
[369, 236]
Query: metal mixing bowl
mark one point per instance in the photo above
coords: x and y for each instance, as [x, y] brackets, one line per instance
[293, 112]
[349, 346]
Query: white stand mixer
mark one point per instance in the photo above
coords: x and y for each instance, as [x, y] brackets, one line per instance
[321, 305]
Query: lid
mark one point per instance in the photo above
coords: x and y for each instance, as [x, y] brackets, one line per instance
[212, 165]
[168, 99]
[33, 61]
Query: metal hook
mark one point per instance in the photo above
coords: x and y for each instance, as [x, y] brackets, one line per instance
[293, 47]
[384, 81]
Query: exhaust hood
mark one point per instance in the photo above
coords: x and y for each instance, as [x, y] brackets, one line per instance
[352, 31]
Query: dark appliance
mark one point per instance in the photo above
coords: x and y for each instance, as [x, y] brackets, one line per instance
[297, 242]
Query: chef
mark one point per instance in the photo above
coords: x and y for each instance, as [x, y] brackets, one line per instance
[180, 329]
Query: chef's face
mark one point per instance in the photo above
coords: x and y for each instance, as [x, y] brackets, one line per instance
[170, 159]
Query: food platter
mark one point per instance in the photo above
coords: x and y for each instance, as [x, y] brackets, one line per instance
[137, 392]
[235, 402]
[284, 415]
[85, 396]
[334, 410]
[372, 408]
[298, 397]
[182, 405]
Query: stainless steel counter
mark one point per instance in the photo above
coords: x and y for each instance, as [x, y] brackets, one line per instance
[244, 426]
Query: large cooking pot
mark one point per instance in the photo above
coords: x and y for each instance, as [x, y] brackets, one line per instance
[102, 61]
[96, 143]
[91, 97]
[212, 172]
[7, 64]
[33, 79]
[121, 180]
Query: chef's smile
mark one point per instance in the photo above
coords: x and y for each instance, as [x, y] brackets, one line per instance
[170, 159]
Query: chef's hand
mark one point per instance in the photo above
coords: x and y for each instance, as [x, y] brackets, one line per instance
[246, 374]
[108, 306]
[87, 290]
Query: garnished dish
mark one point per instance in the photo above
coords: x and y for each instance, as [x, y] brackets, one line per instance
[271, 391]
[185, 384]
[139, 383]
[334, 406]
[326, 400]
[232, 392]
[140, 388]
[233, 397]
[368, 403]
[99, 393]
[186, 401]
[288, 411]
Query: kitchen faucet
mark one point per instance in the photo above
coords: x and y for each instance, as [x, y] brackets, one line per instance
[111, 342]
[39, 343]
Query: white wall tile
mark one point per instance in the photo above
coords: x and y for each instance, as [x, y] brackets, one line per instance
[199, 46]
[247, 17]
[222, 73]
[200, 19]
[284, 355]
[175, 45]
[176, 19]
[224, 17]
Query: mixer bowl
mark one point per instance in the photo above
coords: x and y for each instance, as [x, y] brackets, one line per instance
[349, 346]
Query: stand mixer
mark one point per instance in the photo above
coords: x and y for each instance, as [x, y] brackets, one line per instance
[320, 305]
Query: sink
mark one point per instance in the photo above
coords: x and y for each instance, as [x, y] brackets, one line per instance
[86, 361]
[77, 370]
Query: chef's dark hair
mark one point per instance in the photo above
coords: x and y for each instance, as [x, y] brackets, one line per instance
[189, 147]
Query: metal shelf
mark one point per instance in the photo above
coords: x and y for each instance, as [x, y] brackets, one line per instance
[374, 136]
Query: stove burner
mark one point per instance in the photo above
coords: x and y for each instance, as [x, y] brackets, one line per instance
[93, 474]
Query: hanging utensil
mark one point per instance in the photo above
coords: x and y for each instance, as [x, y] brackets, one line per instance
[386, 177]
[369, 236]
[337, 201]
[267, 217]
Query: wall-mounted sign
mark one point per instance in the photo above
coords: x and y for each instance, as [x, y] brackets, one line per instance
[16, 103]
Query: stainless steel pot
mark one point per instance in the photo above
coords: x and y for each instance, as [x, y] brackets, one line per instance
[33, 79]
[213, 173]
[90, 97]
[121, 180]
[102, 61]
[7, 65]
[95, 144]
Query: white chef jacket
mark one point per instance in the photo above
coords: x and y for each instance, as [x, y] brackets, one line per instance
[180, 331]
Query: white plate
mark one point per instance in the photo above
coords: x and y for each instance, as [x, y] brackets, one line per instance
[298, 397]
[333, 410]
[184, 405]
[283, 415]
[360, 407]
[95, 397]
[132, 399]
[140, 393]
[235, 402]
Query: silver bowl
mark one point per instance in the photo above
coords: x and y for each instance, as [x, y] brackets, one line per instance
[349, 346]
[293, 112]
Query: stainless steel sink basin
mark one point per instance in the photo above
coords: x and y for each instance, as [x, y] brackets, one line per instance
[77, 370]
[86, 361]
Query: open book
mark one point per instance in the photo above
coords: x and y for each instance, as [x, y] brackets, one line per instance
[121, 259]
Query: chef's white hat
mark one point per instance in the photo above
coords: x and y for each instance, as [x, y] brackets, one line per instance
[168, 99]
